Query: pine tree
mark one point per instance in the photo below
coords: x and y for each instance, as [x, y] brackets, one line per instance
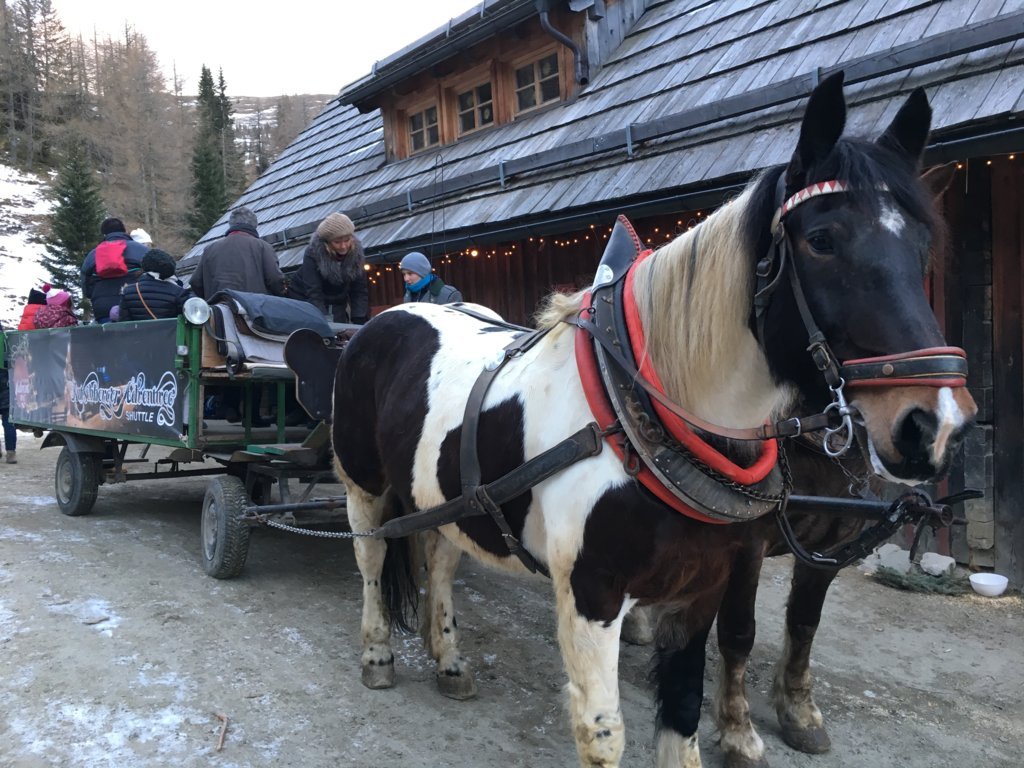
[75, 221]
[209, 189]
[208, 198]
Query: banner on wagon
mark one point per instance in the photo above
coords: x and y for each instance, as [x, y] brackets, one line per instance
[118, 378]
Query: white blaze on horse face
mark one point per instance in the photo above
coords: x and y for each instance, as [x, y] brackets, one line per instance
[951, 418]
[892, 220]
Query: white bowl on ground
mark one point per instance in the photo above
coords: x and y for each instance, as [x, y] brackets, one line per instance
[989, 584]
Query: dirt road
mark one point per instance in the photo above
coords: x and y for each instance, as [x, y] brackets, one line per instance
[116, 650]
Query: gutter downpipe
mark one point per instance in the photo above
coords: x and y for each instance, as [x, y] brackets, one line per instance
[580, 61]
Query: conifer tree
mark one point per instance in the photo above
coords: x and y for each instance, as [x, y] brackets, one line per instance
[75, 221]
[209, 196]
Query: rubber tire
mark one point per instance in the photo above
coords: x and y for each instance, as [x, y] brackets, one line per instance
[76, 482]
[225, 539]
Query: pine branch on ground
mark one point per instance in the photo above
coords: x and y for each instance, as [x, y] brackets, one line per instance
[919, 581]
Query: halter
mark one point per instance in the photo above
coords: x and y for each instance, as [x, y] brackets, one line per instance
[931, 367]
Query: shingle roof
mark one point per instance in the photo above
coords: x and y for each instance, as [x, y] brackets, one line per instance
[698, 91]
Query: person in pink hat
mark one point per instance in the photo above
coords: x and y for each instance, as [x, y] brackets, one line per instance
[57, 313]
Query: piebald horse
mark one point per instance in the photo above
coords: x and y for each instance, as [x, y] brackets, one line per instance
[608, 541]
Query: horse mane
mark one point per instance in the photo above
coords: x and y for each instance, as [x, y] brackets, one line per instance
[693, 295]
[556, 308]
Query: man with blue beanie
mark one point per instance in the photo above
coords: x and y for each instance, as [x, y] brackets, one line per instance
[421, 284]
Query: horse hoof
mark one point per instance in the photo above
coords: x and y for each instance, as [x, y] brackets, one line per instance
[456, 686]
[813, 740]
[736, 760]
[377, 676]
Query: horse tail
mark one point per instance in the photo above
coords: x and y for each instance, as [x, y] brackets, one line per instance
[399, 587]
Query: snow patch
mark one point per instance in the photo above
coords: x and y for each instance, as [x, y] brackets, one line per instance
[24, 204]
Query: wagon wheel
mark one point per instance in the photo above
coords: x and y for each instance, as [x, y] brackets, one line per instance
[225, 536]
[76, 481]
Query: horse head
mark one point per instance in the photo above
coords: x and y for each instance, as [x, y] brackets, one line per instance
[858, 225]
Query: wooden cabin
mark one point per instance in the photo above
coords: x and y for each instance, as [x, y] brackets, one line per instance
[503, 144]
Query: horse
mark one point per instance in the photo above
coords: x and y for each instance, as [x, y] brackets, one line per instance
[724, 335]
[815, 473]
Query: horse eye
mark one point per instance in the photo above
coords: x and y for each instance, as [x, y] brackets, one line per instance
[820, 242]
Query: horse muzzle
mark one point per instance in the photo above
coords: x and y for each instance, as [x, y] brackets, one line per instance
[913, 433]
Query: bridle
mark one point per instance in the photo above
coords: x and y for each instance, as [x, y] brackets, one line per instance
[931, 366]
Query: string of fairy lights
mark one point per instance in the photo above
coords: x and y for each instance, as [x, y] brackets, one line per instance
[653, 236]
[594, 233]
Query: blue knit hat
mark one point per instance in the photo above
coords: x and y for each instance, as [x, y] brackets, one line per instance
[416, 263]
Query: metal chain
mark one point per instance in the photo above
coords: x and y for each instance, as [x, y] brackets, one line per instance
[320, 534]
[655, 433]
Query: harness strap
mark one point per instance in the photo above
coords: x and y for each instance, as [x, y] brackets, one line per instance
[932, 367]
[475, 495]
[786, 428]
[583, 444]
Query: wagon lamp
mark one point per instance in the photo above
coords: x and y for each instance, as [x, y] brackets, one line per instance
[196, 311]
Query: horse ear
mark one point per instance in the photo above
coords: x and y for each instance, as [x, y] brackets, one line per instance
[938, 178]
[908, 132]
[821, 128]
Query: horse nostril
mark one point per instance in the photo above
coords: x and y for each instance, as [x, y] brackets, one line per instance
[913, 438]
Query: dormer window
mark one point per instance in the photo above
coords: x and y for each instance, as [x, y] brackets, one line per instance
[491, 83]
[475, 108]
[423, 129]
[537, 83]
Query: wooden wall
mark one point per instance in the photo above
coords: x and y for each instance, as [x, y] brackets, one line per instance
[513, 278]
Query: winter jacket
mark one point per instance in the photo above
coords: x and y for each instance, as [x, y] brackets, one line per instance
[105, 292]
[325, 279]
[164, 298]
[28, 317]
[55, 316]
[240, 261]
[438, 292]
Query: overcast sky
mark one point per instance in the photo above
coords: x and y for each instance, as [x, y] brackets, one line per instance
[298, 46]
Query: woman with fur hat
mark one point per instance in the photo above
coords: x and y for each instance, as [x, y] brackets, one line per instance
[333, 272]
[36, 301]
[421, 284]
[157, 294]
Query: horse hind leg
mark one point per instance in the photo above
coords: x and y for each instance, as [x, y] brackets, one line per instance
[365, 512]
[802, 723]
[440, 628]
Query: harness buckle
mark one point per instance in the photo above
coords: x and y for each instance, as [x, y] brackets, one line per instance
[783, 430]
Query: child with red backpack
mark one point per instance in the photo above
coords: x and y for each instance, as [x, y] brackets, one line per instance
[108, 267]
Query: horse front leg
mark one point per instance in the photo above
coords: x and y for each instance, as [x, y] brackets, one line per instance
[590, 652]
[741, 745]
[365, 512]
[440, 629]
[802, 724]
[680, 656]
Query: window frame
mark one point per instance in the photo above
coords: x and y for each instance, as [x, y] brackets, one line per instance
[407, 113]
[534, 58]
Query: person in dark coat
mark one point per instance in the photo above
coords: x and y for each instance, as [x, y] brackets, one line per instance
[36, 301]
[333, 272]
[157, 294]
[10, 433]
[240, 261]
[421, 284]
[105, 292]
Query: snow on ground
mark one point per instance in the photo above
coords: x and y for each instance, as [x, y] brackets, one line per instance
[24, 204]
